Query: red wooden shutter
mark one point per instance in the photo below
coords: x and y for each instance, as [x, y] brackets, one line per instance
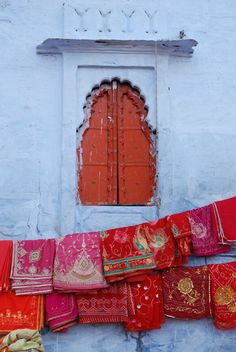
[136, 161]
[116, 155]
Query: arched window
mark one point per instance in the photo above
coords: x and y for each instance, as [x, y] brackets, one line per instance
[116, 154]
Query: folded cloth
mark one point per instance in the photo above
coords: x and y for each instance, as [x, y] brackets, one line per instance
[19, 312]
[224, 220]
[223, 293]
[61, 311]
[32, 266]
[22, 340]
[181, 230]
[186, 292]
[162, 244]
[148, 303]
[109, 305]
[78, 263]
[204, 237]
[5, 264]
[126, 253]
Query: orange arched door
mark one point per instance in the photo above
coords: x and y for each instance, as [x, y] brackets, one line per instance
[116, 156]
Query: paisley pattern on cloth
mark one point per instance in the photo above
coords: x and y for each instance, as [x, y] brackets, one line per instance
[126, 253]
[204, 237]
[32, 266]
[61, 311]
[223, 293]
[78, 263]
[18, 312]
[148, 303]
[186, 292]
[109, 305]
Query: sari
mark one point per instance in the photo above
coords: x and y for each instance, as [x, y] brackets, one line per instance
[61, 311]
[5, 265]
[125, 253]
[109, 305]
[78, 263]
[148, 303]
[32, 266]
[224, 220]
[204, 236]
[223, 293]
[21, 312]
[22, 340]
[162, 244]
[181, 231]
[186, 292]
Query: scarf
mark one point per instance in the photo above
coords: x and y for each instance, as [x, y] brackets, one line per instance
[5, 264]
[223, 293]
[78, 263]
[22, 340]
[186, 292]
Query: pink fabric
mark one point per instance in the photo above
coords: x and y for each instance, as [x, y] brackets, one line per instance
[32, 266]
[61, 311]
[78, 263]
[204, 236]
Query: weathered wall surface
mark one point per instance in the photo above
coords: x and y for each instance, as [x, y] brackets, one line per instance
[196, 145]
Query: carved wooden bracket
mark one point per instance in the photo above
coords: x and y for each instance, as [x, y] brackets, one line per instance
[183, 47]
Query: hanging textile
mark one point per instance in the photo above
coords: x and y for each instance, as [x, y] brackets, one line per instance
[18, 312]
[224, 220]
[162, 244]
[78, 263]
[148, 303]
[22, 340]
[223, 293]
[204, 236]
[186, 292]
[32, 266]
[61, 311]
[181, 231]
[5, 264]
[125, 253]
[109, 305]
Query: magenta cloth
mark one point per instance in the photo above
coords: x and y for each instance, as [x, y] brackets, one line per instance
[204, 236]
[61, 311]
[78, 263]
[32, 266]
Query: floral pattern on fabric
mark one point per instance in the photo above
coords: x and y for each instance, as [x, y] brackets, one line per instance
[186, 292]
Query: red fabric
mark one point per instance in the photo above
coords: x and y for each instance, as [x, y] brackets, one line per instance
[148, 302]
[21, 312]
[163, 244]
[61, 311]
[125, 253]
[108, 305]
[223, 293]
[186, 292]
[5, 264]
[181, 230]
[204, 237]
[224, 219]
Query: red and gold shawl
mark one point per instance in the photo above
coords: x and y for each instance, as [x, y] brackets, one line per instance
[5, 265]
[61, 311]
[125, 253]
[78, 263]
[204, 237]
[109, 305]
[148, 303]
[186, 292]
[32, 266]
[223, 293]
[21, 312]
[224, 220]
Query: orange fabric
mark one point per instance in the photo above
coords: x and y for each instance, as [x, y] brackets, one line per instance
[223, 293]
[21, 312]
[5, 264]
